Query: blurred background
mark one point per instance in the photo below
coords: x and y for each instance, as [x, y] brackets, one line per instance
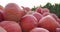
[52, 5]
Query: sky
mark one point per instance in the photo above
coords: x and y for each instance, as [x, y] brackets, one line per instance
[28, 3]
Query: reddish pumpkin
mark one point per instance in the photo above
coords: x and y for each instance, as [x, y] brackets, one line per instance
[12, 12]
[39, 10]
[37, 15]
[26, 9]
[46, 13]
[46, 10]
[11, 26]
[28, 22]
[54, 16]
[49, 23]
